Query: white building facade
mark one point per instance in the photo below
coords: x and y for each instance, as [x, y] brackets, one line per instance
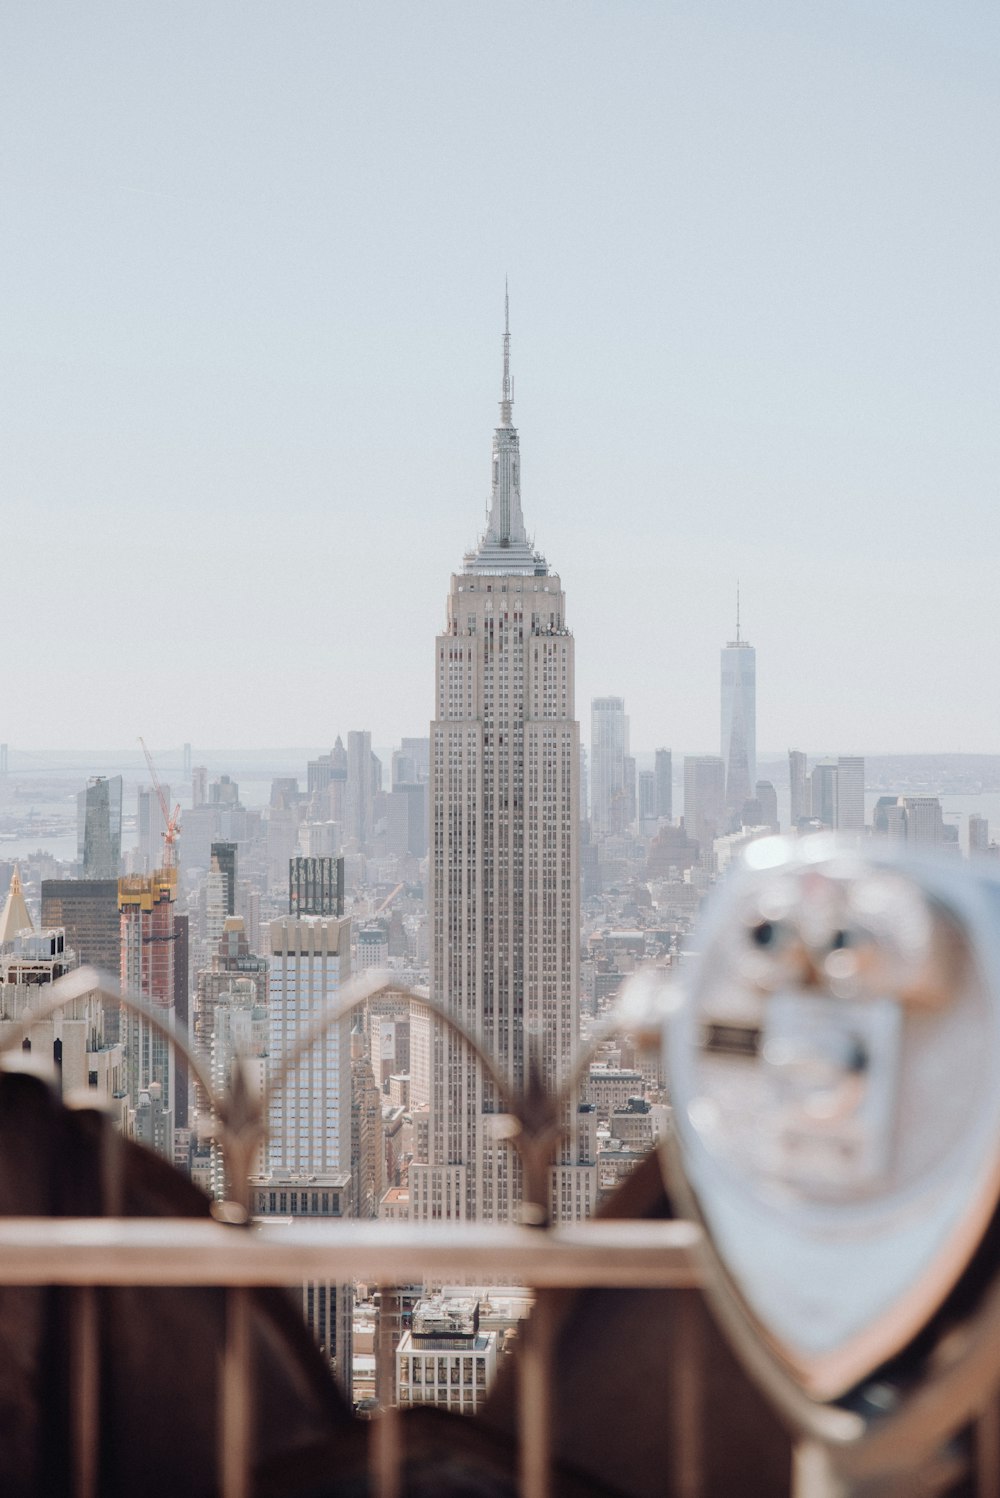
[309, 1121]
[608, 753]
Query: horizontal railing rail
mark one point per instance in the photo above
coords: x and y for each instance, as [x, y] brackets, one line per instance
[178, 1251]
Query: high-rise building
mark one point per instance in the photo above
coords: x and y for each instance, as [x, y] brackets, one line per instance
[232, 959]
[924, 819]
[979, 833]
[239, 1032]
[199, 785]
[766, 798]
[798, 784]
[148, 940]
[851, 793]
[367, 1135]
[608, 752]
[87, 909]
[630, 811]
[309, 1122]
[663, 769]
[504, 859]
[99, 827]
[411, 762]
[225, 859]
[316, 886]
[739, 718]
[224, 792]
[364, 779]
[823, 792]
[150, 827]
[406, 819]
[646, 802]
[704, 800]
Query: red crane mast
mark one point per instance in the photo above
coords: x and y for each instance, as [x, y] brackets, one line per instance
[172, 824]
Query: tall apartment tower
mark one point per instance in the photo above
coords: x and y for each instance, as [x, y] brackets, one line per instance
[664, 772]
[88, 911]
[225, 855]
[851, 793]
[799, 803]
[149, 826]
[608, 754]
[363, 781]
[309, 1122]
[704, 800]
[979, 834]
[504, 859]
[823, 792]
[149, 936]
[99, 827]
[739, 718]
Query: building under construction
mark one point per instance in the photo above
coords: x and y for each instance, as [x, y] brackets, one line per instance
[148, 956]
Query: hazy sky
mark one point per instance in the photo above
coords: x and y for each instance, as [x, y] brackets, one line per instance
[251, 268]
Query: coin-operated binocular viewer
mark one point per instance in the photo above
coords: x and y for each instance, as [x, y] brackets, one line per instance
[834, 1064]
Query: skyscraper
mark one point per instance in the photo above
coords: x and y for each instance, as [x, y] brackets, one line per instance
[823, 792]
[148, 939]
[608, 753]
[798, 785]
[766, 798]
[150, 828]
[364, 779]
[504, 857]
[225, 857]
[704, 800]
[309, 1123]
[99, 827]
[664, 772]
[739, 718]
[88, 911]
[851, 793]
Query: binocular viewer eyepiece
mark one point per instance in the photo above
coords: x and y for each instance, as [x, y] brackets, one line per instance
[833, 1060]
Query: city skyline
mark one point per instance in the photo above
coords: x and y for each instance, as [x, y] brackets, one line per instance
[234, 371]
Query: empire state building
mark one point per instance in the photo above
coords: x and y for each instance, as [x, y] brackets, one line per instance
[504, 863]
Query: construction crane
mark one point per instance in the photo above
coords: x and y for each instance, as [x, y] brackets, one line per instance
[172, 824]
[389, 899]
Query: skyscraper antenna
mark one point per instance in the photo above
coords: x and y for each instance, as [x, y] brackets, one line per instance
[507, 393]
[737, 611]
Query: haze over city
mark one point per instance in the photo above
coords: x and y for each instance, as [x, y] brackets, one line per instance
[253, 266]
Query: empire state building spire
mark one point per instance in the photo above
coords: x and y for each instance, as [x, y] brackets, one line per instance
[506, 547]
[507, 393]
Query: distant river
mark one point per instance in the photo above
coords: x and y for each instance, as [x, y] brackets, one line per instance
[62, 846]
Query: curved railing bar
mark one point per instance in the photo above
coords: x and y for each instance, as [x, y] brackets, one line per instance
[536, 1115]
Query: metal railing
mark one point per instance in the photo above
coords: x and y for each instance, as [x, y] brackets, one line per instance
[239, 1255]
[93, 1252]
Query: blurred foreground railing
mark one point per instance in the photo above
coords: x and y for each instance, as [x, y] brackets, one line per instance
[84, 1253]
[147, 1251]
